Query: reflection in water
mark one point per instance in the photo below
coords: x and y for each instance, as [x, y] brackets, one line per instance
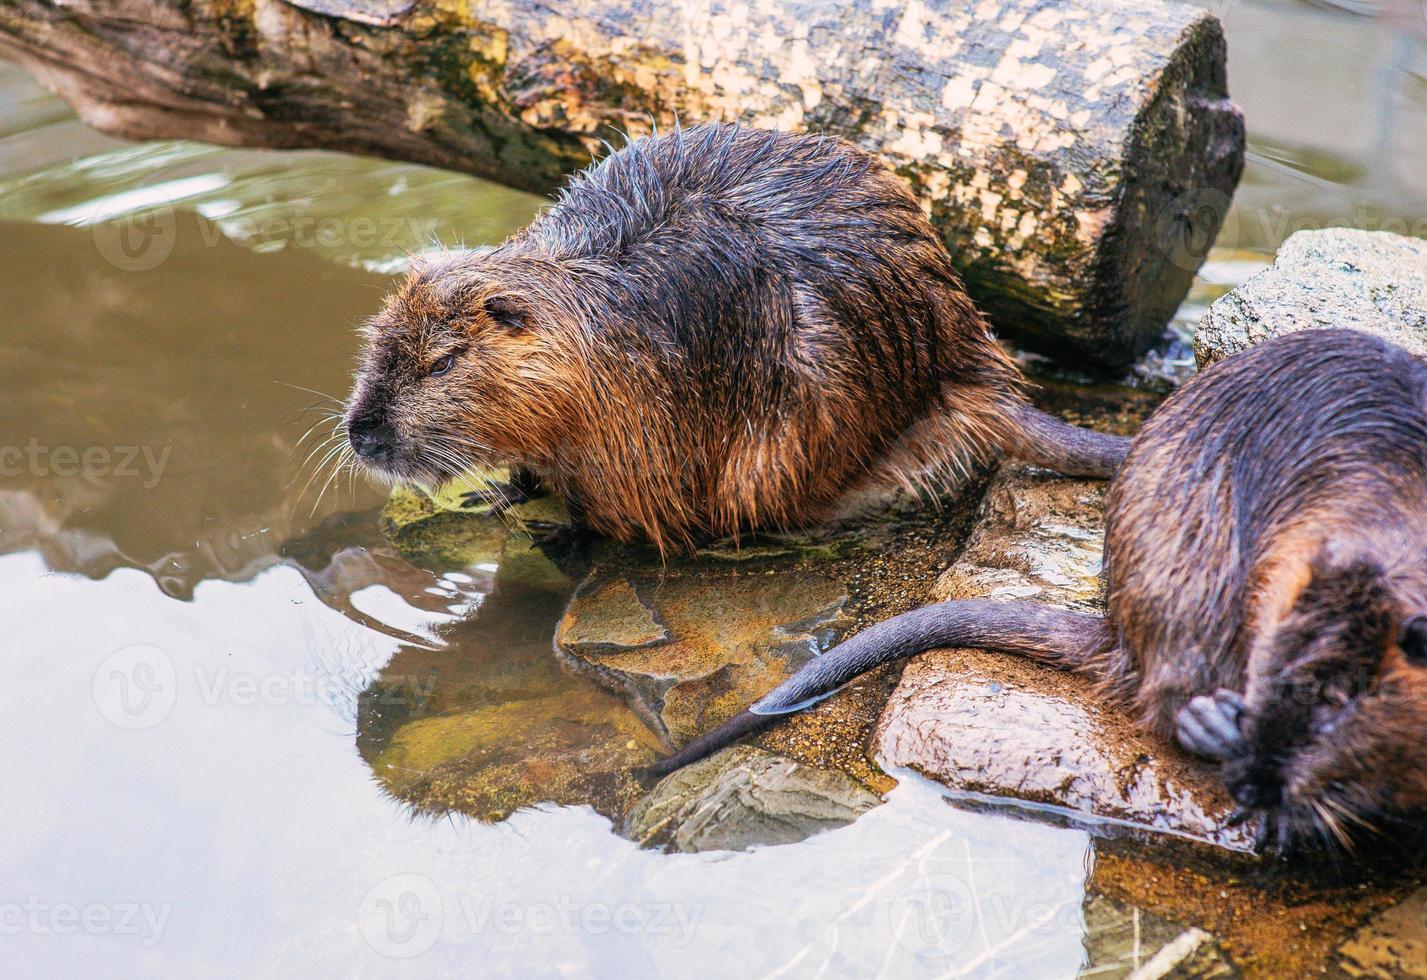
[242, 818]
[144, 413]
[477, 714]
[1336, 109]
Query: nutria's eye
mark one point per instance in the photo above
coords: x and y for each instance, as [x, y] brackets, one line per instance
[441, 365]
[1413, 640]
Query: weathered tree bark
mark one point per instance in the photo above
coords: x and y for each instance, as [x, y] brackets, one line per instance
[1078, 156]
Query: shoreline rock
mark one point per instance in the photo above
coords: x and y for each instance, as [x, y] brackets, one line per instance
[689, 651]
[1373, 281]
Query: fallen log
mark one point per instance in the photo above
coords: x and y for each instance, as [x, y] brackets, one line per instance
[1078, 157]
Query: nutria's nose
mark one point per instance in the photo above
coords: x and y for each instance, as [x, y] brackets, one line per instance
[371, 439]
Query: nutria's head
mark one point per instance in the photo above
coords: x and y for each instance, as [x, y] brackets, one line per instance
[463, 366]
[1337, 732]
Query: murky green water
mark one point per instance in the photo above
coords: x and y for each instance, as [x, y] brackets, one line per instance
[245, 726]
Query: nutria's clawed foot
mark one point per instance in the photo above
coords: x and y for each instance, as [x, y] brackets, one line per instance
[1209, 725]
[502, 495]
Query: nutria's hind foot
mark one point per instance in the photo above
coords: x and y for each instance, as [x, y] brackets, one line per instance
[1209, 725]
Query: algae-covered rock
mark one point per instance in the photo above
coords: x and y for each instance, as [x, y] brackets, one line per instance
[438, 528]
[1373, 281]
[691, 647]
[1005, 727]
[743, 797]
[434, 528]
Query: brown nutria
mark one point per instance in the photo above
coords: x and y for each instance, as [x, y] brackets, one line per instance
[713, 330]
[1266, 558]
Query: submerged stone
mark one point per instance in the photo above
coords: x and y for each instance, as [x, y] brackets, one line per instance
[609, 617]
[1005, 727]
[570, 747]
[1373, 281]
[647, 653]
[485, 718]
[692, 646]
[744, 797]
[1123, 940]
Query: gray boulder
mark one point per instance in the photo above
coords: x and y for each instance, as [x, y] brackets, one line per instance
[1373, 281]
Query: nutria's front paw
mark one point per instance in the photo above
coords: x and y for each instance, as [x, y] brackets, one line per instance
[500, 496]
[1210, 725]
[1274, 832]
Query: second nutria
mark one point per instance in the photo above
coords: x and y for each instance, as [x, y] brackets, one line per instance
[711, 331]
[1266, 558]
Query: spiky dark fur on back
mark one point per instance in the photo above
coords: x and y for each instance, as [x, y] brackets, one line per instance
[712, 330]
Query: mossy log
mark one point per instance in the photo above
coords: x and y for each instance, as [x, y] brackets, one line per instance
[1078, 156]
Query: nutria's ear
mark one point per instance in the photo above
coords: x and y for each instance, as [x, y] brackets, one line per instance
[507, 313]
[1412, 638]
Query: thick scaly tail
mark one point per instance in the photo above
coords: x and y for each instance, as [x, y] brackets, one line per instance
[1044, 440]
[1053, 636]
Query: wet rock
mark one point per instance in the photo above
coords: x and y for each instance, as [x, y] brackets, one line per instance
[691, 647]
[610, 618]
[1392, 944]
[1039, 537]
[1373, 281]
[1005, 727]
[744, 797]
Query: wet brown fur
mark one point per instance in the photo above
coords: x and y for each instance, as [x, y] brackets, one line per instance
[711, 331]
